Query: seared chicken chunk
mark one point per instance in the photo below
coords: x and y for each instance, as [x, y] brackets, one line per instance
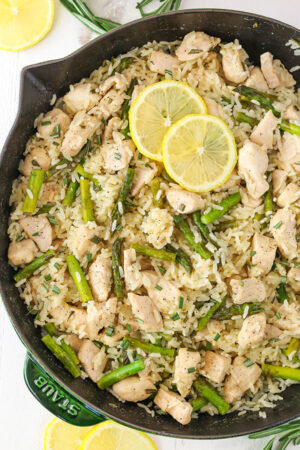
[292, 113]
[213, 108]
[100, 276]
[82, 127]
[253, 163]
[278, 179]
[82, 97]
[142, 176]
[256, 80]
[38, 158]
[263, 133]
[248, 201]
[82, 240]
[118, 81]
[252, 331]
[233, 62]
[283, 228]
[100, 315]
[92, 358]
[146, 312]
[132, 268]
[247, 290]
[276, 335]
[186, 365]
[194, 44]
[58, 120]
[111, 103]
[274, 72]
[240, 380]
[183, 201]
[51, 192]
[293, 278]
[134, 389]
[289, 195]
[174, 405]
[39, 230]
[212, 328]
[263, 251]
[288, 318]
[290, 150]
[22, 252]
[117, 156]
[126, 317]
[216, 366]
[160, 61]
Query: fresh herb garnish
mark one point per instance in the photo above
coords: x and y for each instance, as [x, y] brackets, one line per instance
[180, 304]
[110, 331]
[175, 316]
[248, 363]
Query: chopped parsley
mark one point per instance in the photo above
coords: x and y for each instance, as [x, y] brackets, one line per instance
[278, 315]
[191, 369]
[117, 155]
[139, 320]
[125, 344]
[46, 123]
[169, 72]
[159, 288]
[242, 283]
[180, 304]
[104, 121]
[128, 327]
[252, 253]
[63, 249]
[248, 363]
[57, 266]
[95, 239]
[52, 220]
[278, 224]
[161, 269]
[65, 178]
[20, 238]
[110, 331]
[175, 316]
[56, 290]
[46, 286]
[148, 165]
[217, 337]
[89, 257]
[47, 277]
[35, 234]
[208, 345]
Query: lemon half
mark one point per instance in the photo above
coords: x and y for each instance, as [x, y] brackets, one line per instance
[156, 108]
[59, 435]
[199, 152]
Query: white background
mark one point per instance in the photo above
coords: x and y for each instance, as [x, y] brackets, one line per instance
[22, 419]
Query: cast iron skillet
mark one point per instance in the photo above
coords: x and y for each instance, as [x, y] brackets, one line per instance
[78, 401]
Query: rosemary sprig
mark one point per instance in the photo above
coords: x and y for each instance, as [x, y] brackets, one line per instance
[287, 433]
[167, 5]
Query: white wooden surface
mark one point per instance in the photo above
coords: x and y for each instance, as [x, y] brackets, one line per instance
[22, 419]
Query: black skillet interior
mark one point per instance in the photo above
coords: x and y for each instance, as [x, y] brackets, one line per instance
[257, 35]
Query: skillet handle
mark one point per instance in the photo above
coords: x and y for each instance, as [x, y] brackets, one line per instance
[55, 398]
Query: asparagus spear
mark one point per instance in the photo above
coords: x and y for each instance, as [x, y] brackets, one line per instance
[124, 63]
[203, 228]
[293, 347]
[184, 228]
[28, 270]
[153, 252]
[198, 403]
[209, 394]
[70, 352]
[116, 264]
[126, 107]
[60, 354]
[45, 209]
[241, 117]
[226, 204]
[156, 193]
[268, 201]
[51, 329]
[224, 313]
[287, 373]
[264, 100]
[119, 374]
[181, 257]
[70, 194]
[222, 226]
[79, 279]
[33, 190]
[150, 348]
[119, 206]
[86, 201]
[204, 320]
[89, 176]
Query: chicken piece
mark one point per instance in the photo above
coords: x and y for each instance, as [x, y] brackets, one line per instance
[146, 312]
[289, 195]
[292, 113]
[240, 380]
[278, 180]
[283, 228]
[252, 331]
[233, 62]
[183, 376]
[117, 156]
[57, 118]
[114, 124]
[276, 335]
[263, 251]
[263, 133]
[216, 366]
[82, 97]
[39, 230]
[293, 278]
[111, 103]
[209, 332]
[134, 389]
[82, 127]
[288, 318]
[256, 80]
[290, 150]
[126, 317]
[100, 277]
[274, 72]
[174, 404]
[22, 252]
[253, 163]
[100, 315]
[132, 268]
[183, 201]
[248, 200]
[69, 318]
[213, 108]
[247, 290]
[81, 240]
[51, 192]
[118, 81]
[160, 61]
[92, 358]
[38, 158]
[142, 176]
[162, 292]
[194, 44]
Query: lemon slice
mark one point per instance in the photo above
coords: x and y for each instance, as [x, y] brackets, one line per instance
[23, 23]
[59, 435]
[199, 152]
[112, 436]
[156, 108]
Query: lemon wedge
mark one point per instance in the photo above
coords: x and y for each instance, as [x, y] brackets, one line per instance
[112, 436]
[23, 23]
[199, 152]
[59, 435]
[156, 108]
